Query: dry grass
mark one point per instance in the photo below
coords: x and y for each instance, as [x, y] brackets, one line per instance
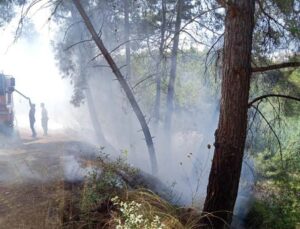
[54, 203]
[31, 206]
[106, 213]
[172, 216]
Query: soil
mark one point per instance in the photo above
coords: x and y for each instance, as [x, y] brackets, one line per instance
[41, 179]
[35, 178]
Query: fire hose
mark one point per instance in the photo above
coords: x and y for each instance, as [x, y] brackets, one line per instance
[20, 93]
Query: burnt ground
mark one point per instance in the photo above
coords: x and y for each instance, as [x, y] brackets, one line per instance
[34, 179]
[41, 181]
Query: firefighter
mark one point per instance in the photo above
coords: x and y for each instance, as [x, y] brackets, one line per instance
[32, 118]
[44, 119]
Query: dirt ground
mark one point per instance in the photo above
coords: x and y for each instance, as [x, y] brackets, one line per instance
[33, 176]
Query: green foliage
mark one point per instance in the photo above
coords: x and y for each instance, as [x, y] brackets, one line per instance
[7, 10]
[277, 28]
[104, 181]
[274, 212]
[277, 203]
[289, 84]
[191, 84]
[98, 188]
[285, 6]
[125, 207]
[279, 186]
[260, 215]
[268, 214]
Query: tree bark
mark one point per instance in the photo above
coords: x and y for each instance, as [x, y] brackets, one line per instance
[171, 85]
[160, 63]
[231, 133]
[123, 83]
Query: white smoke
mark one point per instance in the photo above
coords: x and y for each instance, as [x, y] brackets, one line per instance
[31, 61]
[187, 165]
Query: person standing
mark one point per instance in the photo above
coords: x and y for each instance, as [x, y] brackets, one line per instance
[44, 119]
[32, 118]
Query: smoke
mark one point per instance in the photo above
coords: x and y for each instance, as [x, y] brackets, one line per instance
[31, 61]
[73, 170]
[245, 194]
[184, 166]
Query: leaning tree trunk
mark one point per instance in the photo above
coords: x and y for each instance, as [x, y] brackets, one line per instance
[171, 85]
[123, 83]
[231, 133]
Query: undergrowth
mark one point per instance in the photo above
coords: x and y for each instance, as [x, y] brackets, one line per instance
[107, 201]
[278, 204]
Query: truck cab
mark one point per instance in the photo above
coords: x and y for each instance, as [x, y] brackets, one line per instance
[7, 85]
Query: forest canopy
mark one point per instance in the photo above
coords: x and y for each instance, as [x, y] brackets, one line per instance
[218, 81]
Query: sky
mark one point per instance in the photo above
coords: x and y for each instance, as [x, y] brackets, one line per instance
[31, 61]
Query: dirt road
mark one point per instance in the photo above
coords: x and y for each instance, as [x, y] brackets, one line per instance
[33, 176]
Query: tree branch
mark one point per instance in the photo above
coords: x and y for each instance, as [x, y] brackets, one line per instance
[141, 81]
[268, 15]
[77, 43]
[117, 47]
[273, 131]
[272, 95]
[210, 50]
[276, 66]
[189, 22]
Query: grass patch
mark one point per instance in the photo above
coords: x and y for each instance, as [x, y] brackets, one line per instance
[107, 200]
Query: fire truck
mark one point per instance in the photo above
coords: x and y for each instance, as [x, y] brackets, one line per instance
[7, 87]
[7, 118]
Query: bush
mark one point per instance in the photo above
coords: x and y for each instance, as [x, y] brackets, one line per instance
[131, 216]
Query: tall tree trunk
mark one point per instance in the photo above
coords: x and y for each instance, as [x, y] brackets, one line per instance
[171, 85]
[160, 63]
[127, 38]
[123, 83]
[95, 121]
[128, 68]
[93, 115]
[231, 133]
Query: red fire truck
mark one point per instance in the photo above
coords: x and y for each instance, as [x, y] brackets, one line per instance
[7, 86]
